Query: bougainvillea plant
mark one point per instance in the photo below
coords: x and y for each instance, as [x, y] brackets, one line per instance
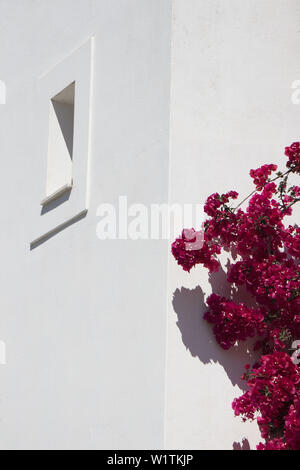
[266, 262]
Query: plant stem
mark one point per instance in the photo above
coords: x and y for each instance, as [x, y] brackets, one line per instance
[259, 189]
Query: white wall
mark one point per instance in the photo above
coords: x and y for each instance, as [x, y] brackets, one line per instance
[84, 320]
[233, 63]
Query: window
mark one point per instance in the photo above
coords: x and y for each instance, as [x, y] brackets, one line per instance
[63, 123]
[60, 144]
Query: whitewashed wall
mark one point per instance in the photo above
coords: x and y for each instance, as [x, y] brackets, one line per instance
[233, 63]
[84, 320]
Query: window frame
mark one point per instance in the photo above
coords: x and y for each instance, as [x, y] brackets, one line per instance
[78, 68]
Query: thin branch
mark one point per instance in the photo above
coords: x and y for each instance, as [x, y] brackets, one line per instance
[259, 189]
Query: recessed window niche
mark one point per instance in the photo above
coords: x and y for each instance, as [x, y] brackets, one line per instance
[63, 126]
[60, 144]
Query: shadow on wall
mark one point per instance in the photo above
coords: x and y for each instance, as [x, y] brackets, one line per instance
[197, 334]
[198, 337]
[241, 446]
[57, 202]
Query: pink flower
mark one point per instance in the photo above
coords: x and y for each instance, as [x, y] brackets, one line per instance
[293, 154]
[232, 322]
[261, 175]
[266, 262]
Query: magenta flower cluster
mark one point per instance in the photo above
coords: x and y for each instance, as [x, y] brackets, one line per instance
[267, 255]
[274, 394]
[293, 154]
[233, 322]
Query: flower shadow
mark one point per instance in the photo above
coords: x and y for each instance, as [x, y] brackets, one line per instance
[197, 335]
[241, 446]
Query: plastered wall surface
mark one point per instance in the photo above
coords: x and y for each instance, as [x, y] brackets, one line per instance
[233, 64]
[84, 320]
[105, 343]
